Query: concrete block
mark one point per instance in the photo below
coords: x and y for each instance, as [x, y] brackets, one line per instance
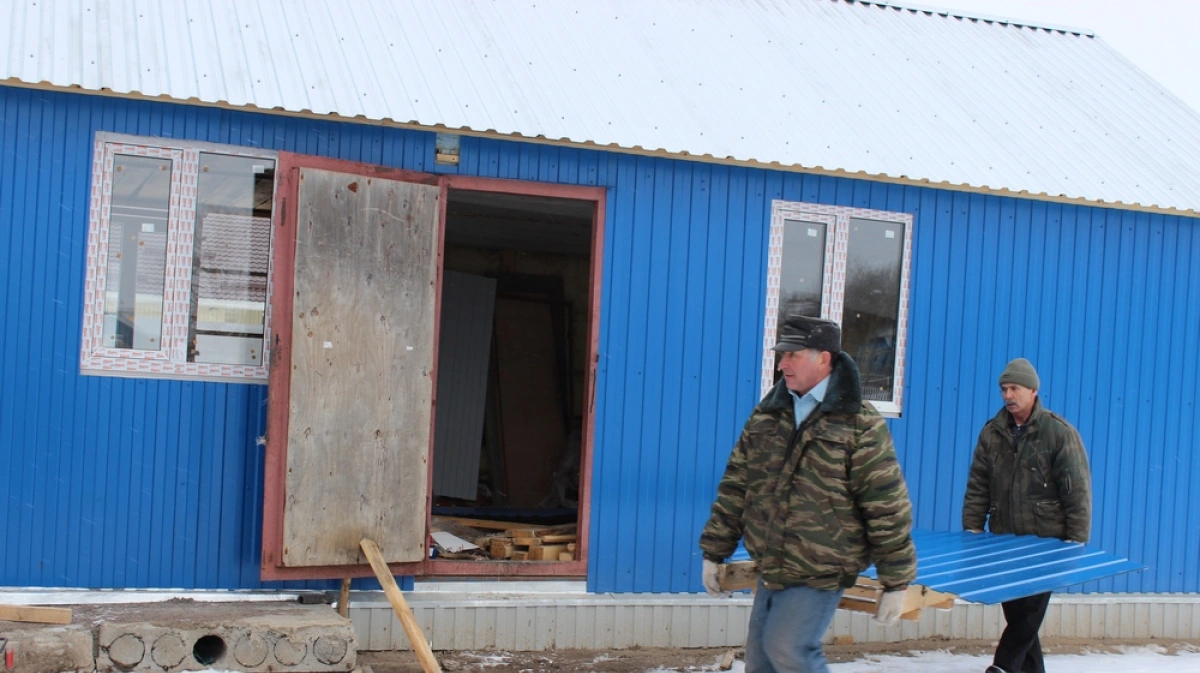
[252, 638]
[56, 649]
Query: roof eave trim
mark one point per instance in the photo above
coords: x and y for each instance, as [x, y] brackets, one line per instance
[662, 153]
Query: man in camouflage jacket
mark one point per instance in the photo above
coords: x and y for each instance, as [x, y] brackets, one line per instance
[1029, 476]
[816, 502]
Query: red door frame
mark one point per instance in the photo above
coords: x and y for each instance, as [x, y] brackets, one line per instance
[577, 567]
[282, 305]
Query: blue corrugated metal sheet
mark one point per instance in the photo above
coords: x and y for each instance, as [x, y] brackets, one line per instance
[117, 482]
[1098, 301]
[109, 482]
[987, 568]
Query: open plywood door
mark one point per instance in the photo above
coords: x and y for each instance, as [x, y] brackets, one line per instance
[355, 267]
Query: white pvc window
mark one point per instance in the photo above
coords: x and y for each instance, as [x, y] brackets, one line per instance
[178, 267]
[849, 265]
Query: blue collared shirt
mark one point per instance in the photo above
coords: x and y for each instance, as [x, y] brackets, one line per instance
[803, 406]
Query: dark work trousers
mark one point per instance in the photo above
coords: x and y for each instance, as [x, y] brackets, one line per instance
[1019, 650]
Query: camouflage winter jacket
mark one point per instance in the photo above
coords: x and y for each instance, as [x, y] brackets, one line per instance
[1038, 484]
[819, 504]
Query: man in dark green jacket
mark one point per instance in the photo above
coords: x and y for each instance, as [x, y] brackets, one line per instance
[814, 488]
[1029, 476]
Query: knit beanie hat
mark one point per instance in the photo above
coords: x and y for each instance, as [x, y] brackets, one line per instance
[1022, 373]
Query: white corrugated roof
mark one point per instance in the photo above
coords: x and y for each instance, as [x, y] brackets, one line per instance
[828, 85]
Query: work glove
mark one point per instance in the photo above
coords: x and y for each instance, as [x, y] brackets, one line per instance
[711, 584]
[890, 605]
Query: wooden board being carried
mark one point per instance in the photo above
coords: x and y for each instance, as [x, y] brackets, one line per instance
[862, 597]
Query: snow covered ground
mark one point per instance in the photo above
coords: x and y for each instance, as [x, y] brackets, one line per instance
[1132, 659]
[1149, 659]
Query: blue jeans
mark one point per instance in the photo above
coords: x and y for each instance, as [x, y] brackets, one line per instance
[786, 629]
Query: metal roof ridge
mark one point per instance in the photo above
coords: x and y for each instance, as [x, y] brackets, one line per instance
[990, 18]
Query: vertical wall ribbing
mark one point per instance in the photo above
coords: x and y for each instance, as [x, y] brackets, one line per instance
[160, 482]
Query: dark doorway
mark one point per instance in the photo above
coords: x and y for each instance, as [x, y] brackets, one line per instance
[513, 361]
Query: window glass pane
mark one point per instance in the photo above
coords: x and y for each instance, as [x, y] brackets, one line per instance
[801, 269]
[872, 302]
[137, 252]
[801, 272]
[230, 256]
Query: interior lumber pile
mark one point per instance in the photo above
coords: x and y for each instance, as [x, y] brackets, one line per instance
[509, 541]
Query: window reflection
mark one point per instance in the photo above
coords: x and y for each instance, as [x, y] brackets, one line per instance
[801, 272]
[801, 269]
[137, 252]
[230, 260]
[870, 317]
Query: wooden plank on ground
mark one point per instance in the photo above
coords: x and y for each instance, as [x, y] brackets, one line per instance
[33, 613]
[487, 524]
[344, 598]
[416, 637]
[538, 531]
[548, 552]
[500, 548]
[447, 525]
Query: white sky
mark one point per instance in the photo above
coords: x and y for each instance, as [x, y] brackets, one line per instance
[1159, 36]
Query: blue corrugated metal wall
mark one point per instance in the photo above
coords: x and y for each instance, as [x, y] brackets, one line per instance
[114, 482]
